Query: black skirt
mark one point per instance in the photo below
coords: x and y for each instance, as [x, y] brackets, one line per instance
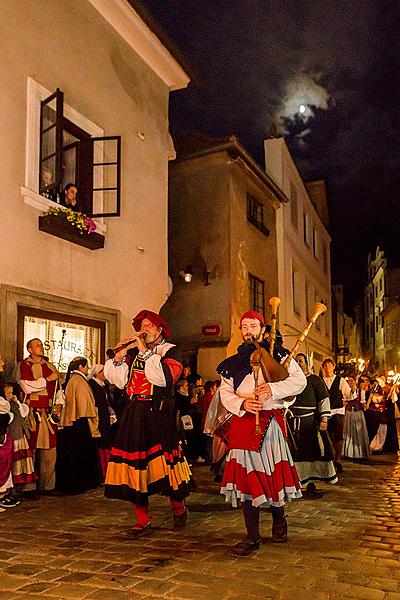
[147, 457]
[77, 464]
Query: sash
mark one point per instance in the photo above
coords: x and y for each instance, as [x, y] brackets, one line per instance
[242, 434]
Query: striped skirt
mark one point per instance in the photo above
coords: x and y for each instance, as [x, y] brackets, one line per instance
[147, 457]
[267, 478]
[23, 468]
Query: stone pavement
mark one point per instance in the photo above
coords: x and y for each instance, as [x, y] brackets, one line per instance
[345, 545]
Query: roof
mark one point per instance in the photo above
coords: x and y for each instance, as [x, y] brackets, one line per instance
[164, 38]
[190, 145]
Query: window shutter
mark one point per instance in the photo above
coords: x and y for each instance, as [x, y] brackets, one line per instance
[51, 131]
[106, 176]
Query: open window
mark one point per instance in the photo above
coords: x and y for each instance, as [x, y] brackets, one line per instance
[68, 154]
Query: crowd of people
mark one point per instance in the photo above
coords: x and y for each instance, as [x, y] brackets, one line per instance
[138, 423]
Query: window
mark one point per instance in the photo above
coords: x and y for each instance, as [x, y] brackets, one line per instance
[255, 214]
[318, 321]
[380, 285]
[294, 205]
[316, 244]
[69, 154]
[308, 300]
[367, 332]
[325, 257]
[376, 323]
[296, 290]
[257, 294]
[64, 336]
[307, 230]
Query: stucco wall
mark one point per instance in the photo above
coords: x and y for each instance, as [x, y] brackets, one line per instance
[199, 227]
[67, 44]
[251, 251]
[294, 252]
[208, 216]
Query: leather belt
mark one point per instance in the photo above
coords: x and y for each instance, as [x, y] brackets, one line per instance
[140, 397]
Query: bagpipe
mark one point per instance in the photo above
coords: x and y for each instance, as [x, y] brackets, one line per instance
[219, 421]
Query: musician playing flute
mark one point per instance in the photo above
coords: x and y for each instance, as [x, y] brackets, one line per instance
[147, 457]
[259, 469]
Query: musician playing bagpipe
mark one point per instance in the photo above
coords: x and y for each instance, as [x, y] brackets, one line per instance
[259, 468]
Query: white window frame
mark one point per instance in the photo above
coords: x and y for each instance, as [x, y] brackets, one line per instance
[294, 206]
[296, 299]
[30, 191]
[308, 230]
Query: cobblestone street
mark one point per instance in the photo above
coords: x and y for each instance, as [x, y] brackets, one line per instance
[345, 545]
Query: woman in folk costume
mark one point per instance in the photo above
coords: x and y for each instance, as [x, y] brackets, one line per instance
[381, 417]
[355, 432]
[23, 468]
[259, 469]
[308, 422]
[147, 457]
[77, 465]
[6, 450]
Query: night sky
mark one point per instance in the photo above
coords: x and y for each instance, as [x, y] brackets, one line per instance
[259, 60]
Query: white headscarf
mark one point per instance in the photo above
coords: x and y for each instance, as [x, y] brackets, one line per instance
[94, 371]
[4, 406]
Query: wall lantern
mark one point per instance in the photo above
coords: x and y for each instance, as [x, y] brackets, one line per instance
[200, 269]
[187, 274]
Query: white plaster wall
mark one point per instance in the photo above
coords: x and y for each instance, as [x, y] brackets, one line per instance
[293, 250]
[67, 44]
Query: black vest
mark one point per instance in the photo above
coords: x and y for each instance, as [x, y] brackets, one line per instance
[335, 394]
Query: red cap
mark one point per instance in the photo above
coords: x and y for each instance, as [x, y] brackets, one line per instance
[153, 318]
[253, 314]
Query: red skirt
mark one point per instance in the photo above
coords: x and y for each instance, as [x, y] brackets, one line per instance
[267, 477]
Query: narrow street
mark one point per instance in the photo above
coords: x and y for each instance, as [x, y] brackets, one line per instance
[345, 545]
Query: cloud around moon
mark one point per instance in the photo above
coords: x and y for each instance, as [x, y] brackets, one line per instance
[302, 89]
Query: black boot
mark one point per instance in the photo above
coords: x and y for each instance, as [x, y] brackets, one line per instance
[252, 541]
[279, 526]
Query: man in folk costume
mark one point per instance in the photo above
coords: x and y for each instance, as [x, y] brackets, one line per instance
[259, 469]
[38, 378]
[308, 420]
[339, 390]
[147, 457]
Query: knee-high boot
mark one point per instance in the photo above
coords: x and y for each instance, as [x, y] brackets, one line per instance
[279, 525]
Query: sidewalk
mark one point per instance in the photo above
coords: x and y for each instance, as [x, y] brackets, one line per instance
[345, 545]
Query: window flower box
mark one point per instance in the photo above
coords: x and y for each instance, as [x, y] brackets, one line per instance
[73, 230]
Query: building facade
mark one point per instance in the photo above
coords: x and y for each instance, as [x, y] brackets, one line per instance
[303, 249]
[85, 101]
[381, 337]
[222, 235]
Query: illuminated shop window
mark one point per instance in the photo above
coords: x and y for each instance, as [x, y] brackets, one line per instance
[64, 336]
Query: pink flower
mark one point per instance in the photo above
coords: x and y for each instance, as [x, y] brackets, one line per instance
[90, 225]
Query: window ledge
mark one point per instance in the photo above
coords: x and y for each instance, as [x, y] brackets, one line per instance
[260, 226]
[60, 228]
[43, 204]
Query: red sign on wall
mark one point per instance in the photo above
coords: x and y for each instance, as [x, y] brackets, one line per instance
[211, 330]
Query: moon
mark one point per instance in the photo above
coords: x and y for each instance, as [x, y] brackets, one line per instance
[302, 108]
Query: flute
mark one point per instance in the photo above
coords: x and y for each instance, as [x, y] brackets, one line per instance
[126, 344]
